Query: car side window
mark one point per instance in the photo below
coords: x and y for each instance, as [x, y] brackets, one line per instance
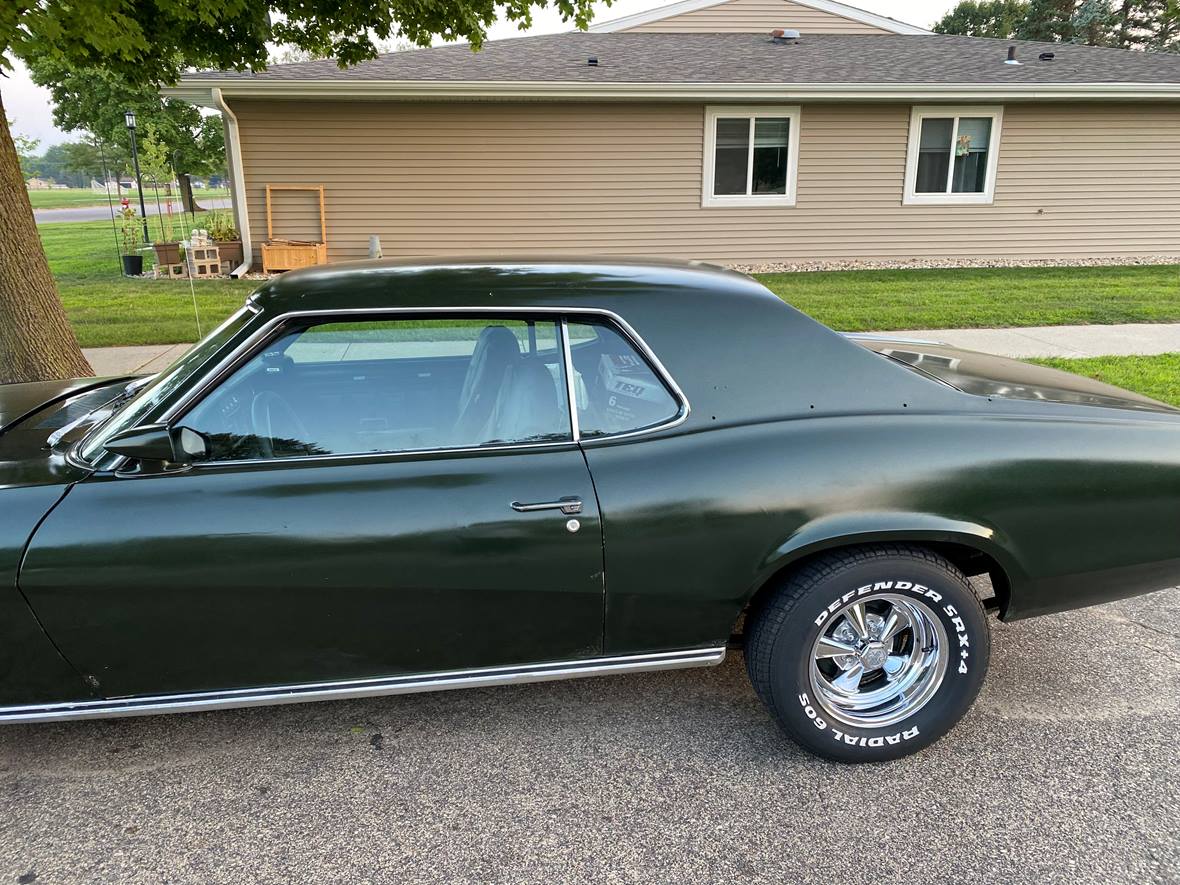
[390, 386]
[617, 390]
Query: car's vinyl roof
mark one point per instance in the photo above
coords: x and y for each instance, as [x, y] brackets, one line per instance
[490, 283]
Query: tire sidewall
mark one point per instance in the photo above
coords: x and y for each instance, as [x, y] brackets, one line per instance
[951, 601]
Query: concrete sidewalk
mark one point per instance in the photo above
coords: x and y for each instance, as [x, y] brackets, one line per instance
[139, 360]
[1065, 341]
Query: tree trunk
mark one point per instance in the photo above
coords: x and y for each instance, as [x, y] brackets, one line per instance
[187, 201]
[36, 342]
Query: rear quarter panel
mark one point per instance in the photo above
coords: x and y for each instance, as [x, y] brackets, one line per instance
[1077, 510]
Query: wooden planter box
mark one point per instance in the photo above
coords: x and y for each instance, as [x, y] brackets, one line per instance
[289, 256]
[280, 254]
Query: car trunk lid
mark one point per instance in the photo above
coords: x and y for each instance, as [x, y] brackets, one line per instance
[983, 374]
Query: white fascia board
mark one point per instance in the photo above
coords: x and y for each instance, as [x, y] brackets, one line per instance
[864, 16]
[841, 9]
[200, 91]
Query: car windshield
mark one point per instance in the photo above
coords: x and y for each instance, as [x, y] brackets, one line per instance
[131, 411]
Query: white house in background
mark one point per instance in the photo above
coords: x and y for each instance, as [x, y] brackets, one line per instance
[37, 184]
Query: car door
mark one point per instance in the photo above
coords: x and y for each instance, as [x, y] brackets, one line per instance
[382, 497]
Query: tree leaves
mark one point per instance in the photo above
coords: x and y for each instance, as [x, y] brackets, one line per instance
[1129, 24]
[94, 99]
[151, 42]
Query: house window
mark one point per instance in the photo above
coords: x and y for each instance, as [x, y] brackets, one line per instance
[751, 156]
[952, 155]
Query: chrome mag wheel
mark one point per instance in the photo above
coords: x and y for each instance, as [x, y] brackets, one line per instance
[878, 660]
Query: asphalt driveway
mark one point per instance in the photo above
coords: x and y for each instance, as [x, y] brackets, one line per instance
[1067, 770]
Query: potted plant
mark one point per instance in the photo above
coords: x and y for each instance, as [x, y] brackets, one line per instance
[168, 248]
[224, 233]
[132, 236]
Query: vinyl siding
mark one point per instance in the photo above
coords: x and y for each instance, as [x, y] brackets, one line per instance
[625, 179]
[746, 16]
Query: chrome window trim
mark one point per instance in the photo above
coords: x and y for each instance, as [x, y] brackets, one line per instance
[407, 454]
[362, 688]
[570, 386]
[632, 337]
[246, 348]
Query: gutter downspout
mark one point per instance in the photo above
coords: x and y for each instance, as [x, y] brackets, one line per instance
[234, 149]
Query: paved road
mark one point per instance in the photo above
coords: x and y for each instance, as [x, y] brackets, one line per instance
[1065, 771]
[103, 213]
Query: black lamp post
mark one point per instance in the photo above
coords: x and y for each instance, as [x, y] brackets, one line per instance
[129, 119]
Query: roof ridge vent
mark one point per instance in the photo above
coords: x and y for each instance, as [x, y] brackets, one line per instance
[785, 35]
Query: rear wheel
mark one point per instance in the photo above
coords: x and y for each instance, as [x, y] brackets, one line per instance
[869, 654]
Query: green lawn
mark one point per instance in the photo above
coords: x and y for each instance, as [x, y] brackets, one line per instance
[1154, 376]
[105, 308]
[108, 309]
[860, 301]
[76, 197]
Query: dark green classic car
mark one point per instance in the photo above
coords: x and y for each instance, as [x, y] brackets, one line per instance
[384, 478]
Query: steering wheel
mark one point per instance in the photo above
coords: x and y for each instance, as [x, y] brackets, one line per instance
[268, 409]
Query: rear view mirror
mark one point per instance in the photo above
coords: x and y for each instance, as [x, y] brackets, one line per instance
[157, 442]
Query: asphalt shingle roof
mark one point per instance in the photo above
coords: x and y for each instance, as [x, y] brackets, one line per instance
[742, 58]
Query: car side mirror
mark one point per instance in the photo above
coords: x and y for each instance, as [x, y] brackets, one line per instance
[157, 442]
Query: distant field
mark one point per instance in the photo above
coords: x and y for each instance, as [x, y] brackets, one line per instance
[77, 197]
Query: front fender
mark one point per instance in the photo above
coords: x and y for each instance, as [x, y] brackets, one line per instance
[32, 671]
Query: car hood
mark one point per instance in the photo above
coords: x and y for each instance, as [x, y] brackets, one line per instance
[996, 376]
[31, 412]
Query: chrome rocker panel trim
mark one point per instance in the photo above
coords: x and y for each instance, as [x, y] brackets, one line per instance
[361, 688]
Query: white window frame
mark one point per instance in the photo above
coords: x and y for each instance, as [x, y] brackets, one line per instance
[712, 114]
[920, 113]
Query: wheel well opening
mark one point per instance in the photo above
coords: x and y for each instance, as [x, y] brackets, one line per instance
[986, 576]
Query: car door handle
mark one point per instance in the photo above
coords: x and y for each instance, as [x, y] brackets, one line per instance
[568, 506]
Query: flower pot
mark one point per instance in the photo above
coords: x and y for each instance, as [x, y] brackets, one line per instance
[167, 253]
[132, 265]
[231, 251]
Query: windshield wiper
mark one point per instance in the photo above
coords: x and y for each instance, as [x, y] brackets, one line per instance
[109, 408]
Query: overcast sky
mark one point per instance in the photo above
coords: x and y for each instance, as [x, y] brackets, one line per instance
[32, 112]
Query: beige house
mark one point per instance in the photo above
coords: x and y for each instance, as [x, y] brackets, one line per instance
[693, 132]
